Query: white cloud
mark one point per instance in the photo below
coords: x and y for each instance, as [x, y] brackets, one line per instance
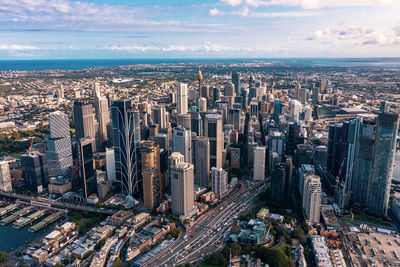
[289, 14]
[205, 48]
[16, 47]
[215, 12]
[232, 2]
[315, 4]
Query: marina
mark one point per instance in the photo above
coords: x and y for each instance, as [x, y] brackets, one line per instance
[16, 215]
[24, 221]
[46, 221]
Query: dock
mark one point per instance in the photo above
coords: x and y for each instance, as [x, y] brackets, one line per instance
[8, 209]
[24, 221]
[16, 215]
[46, 221]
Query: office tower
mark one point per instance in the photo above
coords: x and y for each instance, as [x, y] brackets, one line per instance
[89, 183]
[202, 104]
[229, 89]
[235, 118]
[312, 198]
[252, 80]
[199, 78]
[297, 91]
[202, 161]
[384, 107]
[162, 140]
[307, 111]
[34, 171]
[182, 188]
[315, 95]
[110, 164]
[159, 116]
[244, 94]
[293, 138]
[150, 154]
[320, 156]
[236, 81]
[322, 87]
[303, 96]
[374, 163]
[5, 177]
[59, 153]
[219, 181]
[278, 182]
[259, 163]
[276, 143]
[152, 191]
[102, 116]
[126, 138]
[182, 143]
[184, 120]
[254, 108]
[295, 110]
[213, 130]
[205, 92]
[85, 122]
[181, 98]
[289, 175]
[277, 109]
[196, 123]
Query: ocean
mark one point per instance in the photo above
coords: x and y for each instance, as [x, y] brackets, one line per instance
[79, 64]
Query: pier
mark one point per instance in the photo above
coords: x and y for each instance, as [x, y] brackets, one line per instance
[22, 222]
[8, 209]
[16, 215]
[46, 221]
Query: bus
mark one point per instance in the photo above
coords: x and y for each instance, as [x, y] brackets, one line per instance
[187, 247]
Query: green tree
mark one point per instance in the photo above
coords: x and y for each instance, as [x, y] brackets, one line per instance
[217, 259]
[273, 257]
[232, 249]
[4, 256]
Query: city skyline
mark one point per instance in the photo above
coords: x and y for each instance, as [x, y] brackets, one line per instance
[49, 29]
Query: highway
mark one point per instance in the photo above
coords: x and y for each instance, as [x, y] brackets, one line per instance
[203, 236]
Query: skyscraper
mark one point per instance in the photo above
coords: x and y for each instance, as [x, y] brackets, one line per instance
[213, 130]
[312, 198]
[5, 177]
[219, 181]
[126, 138]
[34, 171]
[259, 163]
[229, 89]
[202, 160]
[182, 187]
[374, 163]
[182, 141]
[205, 92]
[278, 182]
[181, 98]
[85, 122]
[159, 116]
[102, 115]
[152, 191]
[59, 152]
[89, 183]
[236, 81]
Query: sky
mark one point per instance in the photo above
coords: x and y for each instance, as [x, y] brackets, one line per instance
[101, 29]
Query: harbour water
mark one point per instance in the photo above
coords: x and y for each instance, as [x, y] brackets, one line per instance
[11, 238]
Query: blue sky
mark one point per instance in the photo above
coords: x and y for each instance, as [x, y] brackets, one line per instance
[55, 29]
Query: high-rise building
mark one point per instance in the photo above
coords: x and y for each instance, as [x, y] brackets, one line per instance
[312, 198]
[303, 95]
[184, 120]
[182, 142]
[152, 191]
[89, 183]
[150, 154]
[320, 155]
[110, 164]
[196, 123]
[259, 163]
[202, 104]
[102, 116]
[201, 152]
[85, 122]
[219, 181]
[277, 109]
[315, 95]
[5, 177]
[374, 163]
[205, 92]
[162, 140]
[159, 116]
[181, 98]
[213, 130]
[295, 110]
[236, 81]
[235, 118]
[229, 89]
[278, 182]
[182, 187]
[297, 91]
[126, 140]
[276, 143]
[59, 152]
[34, 171]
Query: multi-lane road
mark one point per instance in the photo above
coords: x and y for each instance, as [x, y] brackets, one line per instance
[208, 233]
